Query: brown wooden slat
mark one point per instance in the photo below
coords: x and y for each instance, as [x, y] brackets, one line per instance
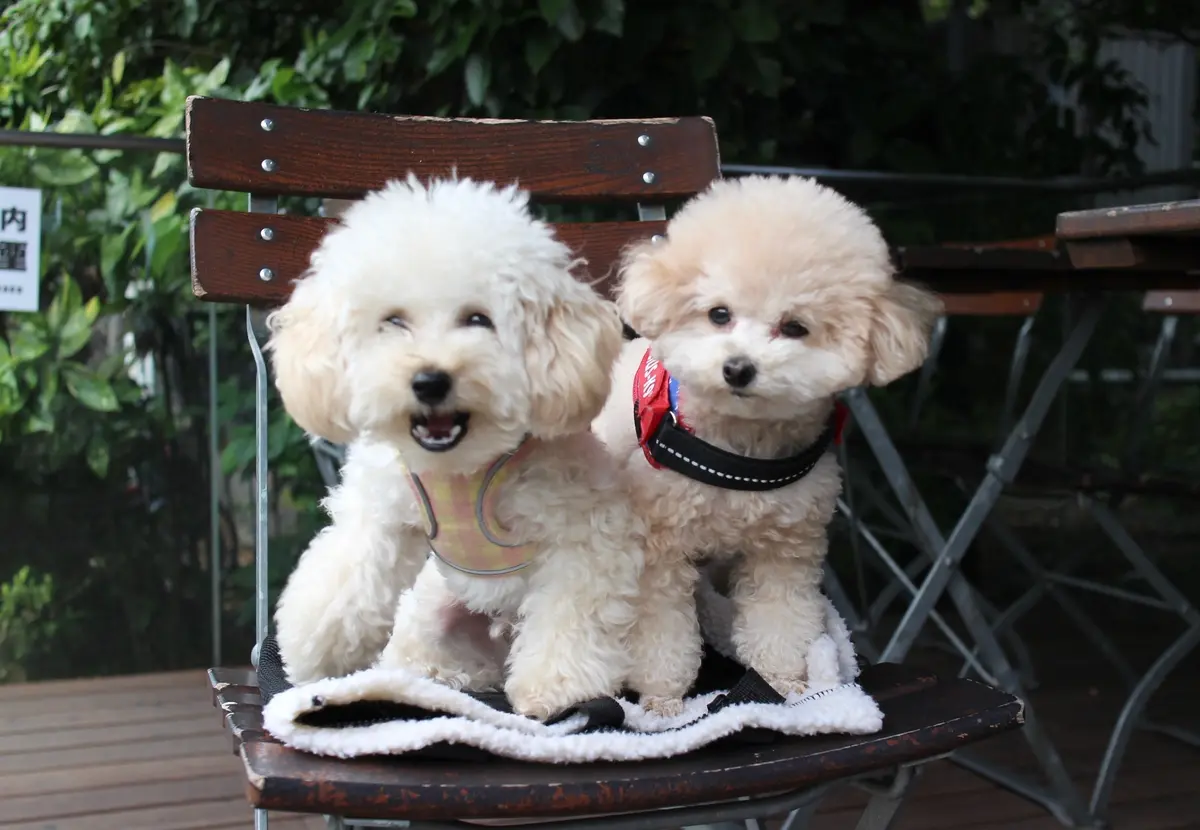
[227, 784]
[223, 678]
[12, 713]
[1143, 253]
[228, 252]
[228, 701]
[246, 726]
[1131, 220]
[346, 154]
[161, 749]
[85, 716]
[922, 724]
[957, 280]
[1172, 302]
[42, 783]
[192, 814]
[979, 258]
[997, 304]
[86, 685]
[200, 722]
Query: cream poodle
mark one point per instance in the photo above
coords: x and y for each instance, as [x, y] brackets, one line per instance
[441, 332]
[767, 297]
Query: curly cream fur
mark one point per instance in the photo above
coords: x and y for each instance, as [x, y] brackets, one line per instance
[386, 297]
[769, 250]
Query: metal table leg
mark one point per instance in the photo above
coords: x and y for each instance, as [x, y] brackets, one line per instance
[903, 582]
[1136, 703]
[1065, 800]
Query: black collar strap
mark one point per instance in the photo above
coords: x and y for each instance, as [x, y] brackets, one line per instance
[677, 449]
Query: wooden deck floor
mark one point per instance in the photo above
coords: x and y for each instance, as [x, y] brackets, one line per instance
[150, 752]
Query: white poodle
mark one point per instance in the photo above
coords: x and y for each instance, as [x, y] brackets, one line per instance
[441, 330]
[767, 298]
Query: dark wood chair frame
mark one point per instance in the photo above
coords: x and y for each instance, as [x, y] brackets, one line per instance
[252, 258]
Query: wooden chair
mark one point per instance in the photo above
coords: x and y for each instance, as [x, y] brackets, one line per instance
[252, 258]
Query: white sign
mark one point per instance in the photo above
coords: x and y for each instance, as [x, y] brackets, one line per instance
[20, 248]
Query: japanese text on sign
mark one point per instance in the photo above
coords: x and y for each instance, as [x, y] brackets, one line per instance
[20, 248]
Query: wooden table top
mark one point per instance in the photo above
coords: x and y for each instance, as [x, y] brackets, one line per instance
[1159, 219]
[1137, 240]
[1158, 237]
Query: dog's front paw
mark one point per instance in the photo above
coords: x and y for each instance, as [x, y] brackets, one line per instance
[667, 707]
[535, 709]
[785, 684]
[543, 700]
[451, 678]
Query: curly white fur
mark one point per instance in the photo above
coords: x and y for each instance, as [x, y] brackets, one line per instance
[770, 251]
[398, 289]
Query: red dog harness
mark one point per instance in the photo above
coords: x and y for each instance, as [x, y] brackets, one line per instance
[668, 442]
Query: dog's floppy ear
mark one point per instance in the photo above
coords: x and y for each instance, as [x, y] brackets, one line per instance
[903, 320]
[647, 293]
[306, 354]
[571, 344]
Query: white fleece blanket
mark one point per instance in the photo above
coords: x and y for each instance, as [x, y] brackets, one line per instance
[833, 704]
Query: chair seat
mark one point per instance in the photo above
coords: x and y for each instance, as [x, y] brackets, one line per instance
[924, 717]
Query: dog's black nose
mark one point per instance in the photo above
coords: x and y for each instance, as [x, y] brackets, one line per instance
[739, 372]
[431, 386]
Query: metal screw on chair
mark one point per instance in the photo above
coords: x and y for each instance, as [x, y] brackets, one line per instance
[267, 234]
[1168, 301]
[267, 124]
[266, 274]
[648, 177]
[268, 165]
[644, 140]
[657, 238]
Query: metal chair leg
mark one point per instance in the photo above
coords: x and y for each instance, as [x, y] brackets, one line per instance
[1016, 373]
[261, 490]
[1143, 405]
[885, 802]
[928, 369]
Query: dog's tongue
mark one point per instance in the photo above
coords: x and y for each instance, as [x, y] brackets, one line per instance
[439, 426]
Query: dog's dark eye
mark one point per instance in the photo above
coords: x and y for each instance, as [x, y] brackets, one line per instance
[480, 320]
[719, 315]
[397, 321]
[793, 329]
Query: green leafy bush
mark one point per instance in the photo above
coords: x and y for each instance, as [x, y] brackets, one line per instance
[27, 626]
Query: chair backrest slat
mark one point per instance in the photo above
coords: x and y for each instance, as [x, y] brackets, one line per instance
[272, 150]
[1172, 302]
[253, 258]
[993, 304]
[269, 151]
[994, 258]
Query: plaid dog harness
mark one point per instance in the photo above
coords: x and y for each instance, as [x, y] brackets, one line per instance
[460, 518]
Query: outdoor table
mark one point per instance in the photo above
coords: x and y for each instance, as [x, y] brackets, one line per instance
[1102, 254]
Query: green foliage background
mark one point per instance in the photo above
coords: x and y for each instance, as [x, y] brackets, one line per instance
[103, 485]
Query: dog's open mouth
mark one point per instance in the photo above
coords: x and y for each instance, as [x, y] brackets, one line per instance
[440, 431]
